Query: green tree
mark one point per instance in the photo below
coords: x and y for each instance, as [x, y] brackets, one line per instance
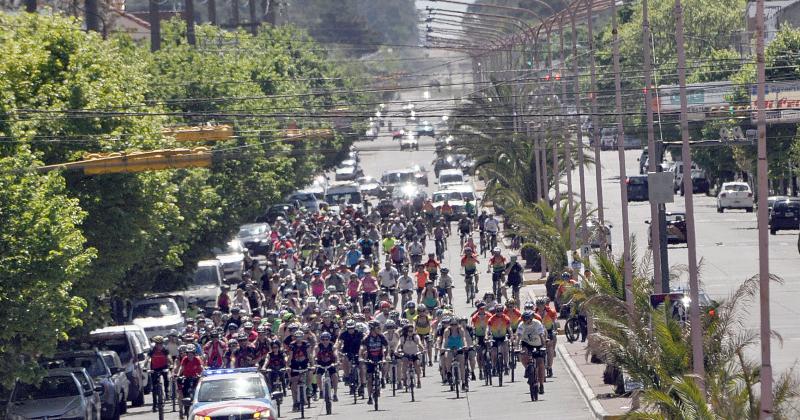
[43, 256]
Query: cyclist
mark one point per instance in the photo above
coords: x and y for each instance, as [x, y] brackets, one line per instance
[513, 314]
[415, 250]
[469, 208]
[432, 266]
[275, 361]
[497, 266]
[405, 284]
[423, 324]
[429, 297]
[326, 361]
[299, 354]
[480, 323]
[392, 337]
[500, 327]
[549, 318]
[348, 345]
[492, 227]
[464, 228]
[189, 369]
[445, 286]
[159, 365]
[513, 273]
[454, 340]
[409, 347]
[214, 351]
[446, 210]
[388, 279]
[439, 236]
[374, 348]
[469, 262]
[531, 337]
[469, 342]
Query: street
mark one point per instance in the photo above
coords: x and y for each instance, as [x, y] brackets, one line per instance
[561, 400]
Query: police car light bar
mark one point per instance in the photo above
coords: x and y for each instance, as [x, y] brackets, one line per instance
[212, 372]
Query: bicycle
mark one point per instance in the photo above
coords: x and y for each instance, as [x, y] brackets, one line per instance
[492, 239]
[572, 328]
[486, 363]
[189, 385]
[353, 378]
[499, 362]
[302, 398]
[483, 243]
[325, 388]
[532, 371]
[469, 285]
[173, 391]
[512, 364]
[375, 381]
[456, 383]
[497, 287]
[158, 393]
[394, 375]
[440, 247]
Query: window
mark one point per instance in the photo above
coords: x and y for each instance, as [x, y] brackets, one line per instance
[51, 387]
[206, 275]
[156, 309]
[92, 364]
[737, 187]
[231, 389]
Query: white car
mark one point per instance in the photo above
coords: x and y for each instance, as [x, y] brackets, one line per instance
[454, 199]
[409, 141]
[233, 394]
[735, 195]
[346, 173]
[158, 316]
[232, 259]
[451, 177]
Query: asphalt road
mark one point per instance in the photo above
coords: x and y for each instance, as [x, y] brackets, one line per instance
[727, 248]
[561, 400]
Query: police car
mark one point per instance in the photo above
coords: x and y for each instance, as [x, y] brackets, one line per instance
[232, 394]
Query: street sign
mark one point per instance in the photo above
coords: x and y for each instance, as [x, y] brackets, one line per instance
[660, 187]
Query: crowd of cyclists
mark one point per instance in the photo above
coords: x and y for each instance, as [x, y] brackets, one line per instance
[359, 299]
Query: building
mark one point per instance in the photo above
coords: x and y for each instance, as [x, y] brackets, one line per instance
[777, 14]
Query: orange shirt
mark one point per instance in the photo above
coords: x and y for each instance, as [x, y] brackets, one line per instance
[422, 278]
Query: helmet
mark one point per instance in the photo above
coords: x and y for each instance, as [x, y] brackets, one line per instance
[158, 339]
[299, 334]
[325, 336]
[385, 305]
[188, 337]
[453, 320]
[241, 337]
[261, 329]
[565, 276]
[248, 324]
[445, 270]
[294, 326]
[288, 316]
[467, 250]
[390, 325]
[480, 305]
[232, 326]
[374, 324]
[510, 303]
[332, 289]
[527, 315]
[405, 323]
[172, 333]
[191, 349]
[496, 250]
[411, 305]
[311, 299]
[497, 309]
[350, 324]
[529, 306]
[394, 315]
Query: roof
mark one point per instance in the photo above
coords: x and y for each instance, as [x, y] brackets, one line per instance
[214, 374]
[117, 328]
[451, 172]
[208, 263]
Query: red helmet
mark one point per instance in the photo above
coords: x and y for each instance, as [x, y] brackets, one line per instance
[386, 305]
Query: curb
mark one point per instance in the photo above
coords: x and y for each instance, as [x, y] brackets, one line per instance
[532, 282]
[586, 391]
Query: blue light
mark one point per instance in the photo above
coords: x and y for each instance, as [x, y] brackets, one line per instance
[212, 372]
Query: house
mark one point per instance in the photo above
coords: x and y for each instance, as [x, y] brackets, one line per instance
[777, 14]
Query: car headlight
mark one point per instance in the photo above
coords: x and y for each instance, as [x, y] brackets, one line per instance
[199, 417]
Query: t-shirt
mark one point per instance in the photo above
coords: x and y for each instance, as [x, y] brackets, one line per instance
[514, 315]
[498, 263]
[514, 273]
[191, 368]
[422, 278]
[375, 345]
[159, 359]
[531, 333]
[388, 278]
[498, 325]
[351, 342]
[325, 354]
[480, 322]
[299, 350]
[406, 282]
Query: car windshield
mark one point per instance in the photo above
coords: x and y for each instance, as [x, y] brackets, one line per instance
[343, 198]
[441, 196]
[92, 364]
[253, 230]
[446, 179]
[398, 177]
[737, 187]
[109, 359]
[206, 276]
[675, 217]
[51, 387]
[231, 389]
[154, 310]
[117, 344]
[635, 180]
[468, 195]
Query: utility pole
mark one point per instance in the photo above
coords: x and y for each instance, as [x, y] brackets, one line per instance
[567, 143]
[696, 332]
[235, 14]
[30, 6]
[595, 129]
[254, 21]
[626, 238]
[660, 267]
[212, 12]
[155, 26]
[92, 15]
[190, 37]
[763, 238]
[579, 137]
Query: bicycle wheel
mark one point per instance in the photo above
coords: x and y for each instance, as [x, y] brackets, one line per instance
[159, 400]
[376, 388]
[394, 380]
[513, 366]
[354, 384]
[456, 379]
[533, 382]
[572, 330]
[302, 401]
[327, 391]
[424, 362]
[500, 368]
[412, 384]
[173, 391]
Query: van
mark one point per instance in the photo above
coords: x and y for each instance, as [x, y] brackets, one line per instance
[608, 138]
[132, 346]
[206, 285]
[450, 177]
[340, 195]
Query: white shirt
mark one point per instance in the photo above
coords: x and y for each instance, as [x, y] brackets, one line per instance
[416, 248]
[406, 283]
[491, 225]
[531, 333]
[388, 278]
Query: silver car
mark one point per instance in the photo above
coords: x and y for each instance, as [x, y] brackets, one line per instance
[59, 395]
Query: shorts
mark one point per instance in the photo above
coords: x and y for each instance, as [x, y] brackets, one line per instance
[297, 365]
[529, 347]
[411, 357]
[371, 366]
[498, 341]
[481, 341]
[470, 271]
[330, 368]
[442, 291]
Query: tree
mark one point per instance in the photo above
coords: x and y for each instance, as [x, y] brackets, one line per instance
[44, 255]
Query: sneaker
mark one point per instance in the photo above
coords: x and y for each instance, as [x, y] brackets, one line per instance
[370, 401]
[549, 372]
[526, 374]
[430, 363]
[419, 385]
[472, 375]
[335, 398]
[541, 388]
[295, 407]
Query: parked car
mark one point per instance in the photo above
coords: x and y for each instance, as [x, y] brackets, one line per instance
[632, 142]
[391, 179]
[700, 183]
[91, 391]
[59, 395]
[128, 342]
[340, 195]
[118, 377]
[596, 233]
[676, 228]
[255, 237]
[156, 315]
[307, 199]
[451, 177]
[398, 133]
[608, 138]
[284, 210]
[735, 195]
[677, 170]
[111, 380]
[232, 259]
[346, 173]
[785, 215]
[410, 142]
[206, 285]
[637, 188]
[443, 142]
